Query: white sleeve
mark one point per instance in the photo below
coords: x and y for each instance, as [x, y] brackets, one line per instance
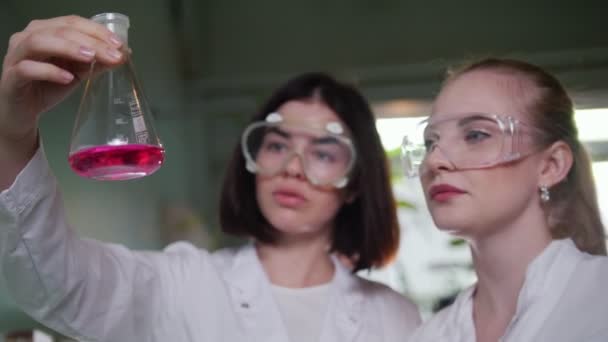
[82, 288]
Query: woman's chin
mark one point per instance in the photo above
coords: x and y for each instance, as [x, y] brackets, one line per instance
[453, 227]
[294, 231]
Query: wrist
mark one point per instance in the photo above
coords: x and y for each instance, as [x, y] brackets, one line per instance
[14, 156]
[19, 148]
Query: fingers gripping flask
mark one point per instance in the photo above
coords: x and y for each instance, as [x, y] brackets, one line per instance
[114, 136]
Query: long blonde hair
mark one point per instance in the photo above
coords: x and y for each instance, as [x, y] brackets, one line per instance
[573, 211]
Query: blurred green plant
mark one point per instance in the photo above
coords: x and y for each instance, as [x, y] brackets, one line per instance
[458, 242]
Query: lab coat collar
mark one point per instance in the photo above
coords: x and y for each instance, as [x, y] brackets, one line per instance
[345, 311]
[545, 280]
[252, 298]
[545, 284]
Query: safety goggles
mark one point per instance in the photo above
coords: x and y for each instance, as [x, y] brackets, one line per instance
[326, 154]
[473, 141]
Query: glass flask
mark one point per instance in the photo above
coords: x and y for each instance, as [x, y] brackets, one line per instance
[114, 136]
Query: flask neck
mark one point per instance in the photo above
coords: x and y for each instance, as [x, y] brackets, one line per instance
[115, 22]
[121, 31]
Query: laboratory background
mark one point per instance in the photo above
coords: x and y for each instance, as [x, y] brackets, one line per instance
[206, 65]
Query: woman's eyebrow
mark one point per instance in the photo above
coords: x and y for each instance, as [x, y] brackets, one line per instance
[468, 119]
[279, 131]
[325, 140]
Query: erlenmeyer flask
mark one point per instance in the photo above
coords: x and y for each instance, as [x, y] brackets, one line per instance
[114, 136]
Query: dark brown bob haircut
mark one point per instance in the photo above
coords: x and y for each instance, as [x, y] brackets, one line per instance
[365, 229]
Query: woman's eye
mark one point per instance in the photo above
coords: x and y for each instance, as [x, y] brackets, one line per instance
[476, 136]
[428, 144]
[274, 146]
[324, 156]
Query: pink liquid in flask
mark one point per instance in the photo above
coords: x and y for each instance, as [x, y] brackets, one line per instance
[119, 162]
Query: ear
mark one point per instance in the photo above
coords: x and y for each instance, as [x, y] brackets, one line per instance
[556, 163]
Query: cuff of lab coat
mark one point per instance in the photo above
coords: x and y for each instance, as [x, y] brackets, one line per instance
[34, 180]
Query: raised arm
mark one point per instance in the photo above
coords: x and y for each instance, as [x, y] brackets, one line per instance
[43, 64]
[85, 289]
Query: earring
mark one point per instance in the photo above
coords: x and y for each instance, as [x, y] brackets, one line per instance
[545, 196]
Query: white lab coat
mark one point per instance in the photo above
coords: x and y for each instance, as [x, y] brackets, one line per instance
[96, 291]
[564, 299]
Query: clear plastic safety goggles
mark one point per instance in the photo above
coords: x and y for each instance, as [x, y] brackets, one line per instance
[473, 141]
[326, 154]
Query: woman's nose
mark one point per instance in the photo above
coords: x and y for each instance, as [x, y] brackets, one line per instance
[295, 166]
[436, 160]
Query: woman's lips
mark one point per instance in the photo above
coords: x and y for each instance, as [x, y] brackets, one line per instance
[288, 198]
[444, 192]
